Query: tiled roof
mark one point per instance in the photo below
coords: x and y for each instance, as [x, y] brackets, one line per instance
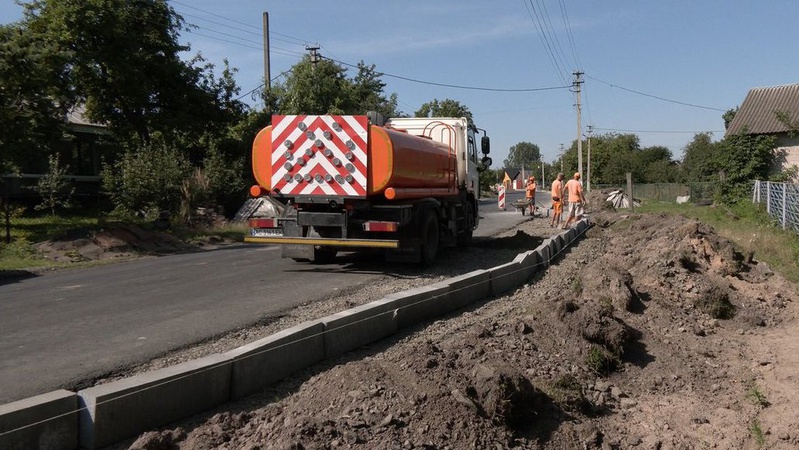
[757, 114]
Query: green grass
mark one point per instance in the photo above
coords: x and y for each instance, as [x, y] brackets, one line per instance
[21, 254]
[757, 433]
[749, 227]
[757, 397]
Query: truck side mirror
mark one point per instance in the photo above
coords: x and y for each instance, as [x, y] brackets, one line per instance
[485, 144]
[485, 163]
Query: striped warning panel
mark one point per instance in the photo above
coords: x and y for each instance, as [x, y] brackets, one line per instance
[319, 155]
[501, 198]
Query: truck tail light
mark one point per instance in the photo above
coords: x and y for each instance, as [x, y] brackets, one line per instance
[256, 191]
[264, 223]
[377, 226]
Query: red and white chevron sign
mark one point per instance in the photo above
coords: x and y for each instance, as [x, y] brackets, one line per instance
[319, 155]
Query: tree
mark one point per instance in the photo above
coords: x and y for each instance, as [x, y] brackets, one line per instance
[444, 108]
[700, 160]
[124, 65]
[523, 154]
[34, 96]
[53, 187]
[315, 88]
[654, 164]
[728, 116]
[367, 92]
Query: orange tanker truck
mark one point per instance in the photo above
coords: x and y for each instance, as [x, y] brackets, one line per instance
[406, 185]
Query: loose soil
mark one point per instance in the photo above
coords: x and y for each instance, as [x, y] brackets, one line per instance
[651, 332]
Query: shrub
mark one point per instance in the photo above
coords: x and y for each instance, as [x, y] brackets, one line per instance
[147, 180]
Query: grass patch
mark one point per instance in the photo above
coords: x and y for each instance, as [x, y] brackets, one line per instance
[601, 362]
[749, 227]
[20, 253]
[577, 286]
[231, 231]
[567, 392]
[715, 303]
[757, 397]
[757, 433]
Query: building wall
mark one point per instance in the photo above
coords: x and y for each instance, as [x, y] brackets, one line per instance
[787, 153]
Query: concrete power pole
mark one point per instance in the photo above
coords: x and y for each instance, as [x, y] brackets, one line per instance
[561, 158]
[578, 81]
[267, 69]
[588, 174]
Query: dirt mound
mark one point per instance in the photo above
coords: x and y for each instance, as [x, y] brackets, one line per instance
[115, 241]
[653, 332]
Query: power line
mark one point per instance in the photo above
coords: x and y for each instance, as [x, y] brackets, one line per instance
[544, 41]
[567, 24]
[559, 48]
[658, 131]
[301, 41]
[455, 86]
[657, 97]
[263, 84]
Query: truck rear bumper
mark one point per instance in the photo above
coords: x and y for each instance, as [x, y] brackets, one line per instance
[373, 243]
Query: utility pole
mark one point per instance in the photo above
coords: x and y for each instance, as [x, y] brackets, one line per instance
[314, 53]
[578, 81]
[561, 158]
[542, 171]
[267, 69]
[588, 174]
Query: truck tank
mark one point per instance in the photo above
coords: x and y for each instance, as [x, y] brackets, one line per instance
[344, 156]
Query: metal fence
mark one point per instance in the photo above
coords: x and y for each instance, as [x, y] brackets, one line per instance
[667, 192]
[782, 202]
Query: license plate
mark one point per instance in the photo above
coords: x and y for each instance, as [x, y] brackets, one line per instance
[266, 232]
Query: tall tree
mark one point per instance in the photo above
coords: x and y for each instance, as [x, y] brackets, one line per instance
[125, 66]
[700, 160]
[34, 95]
[523, 154]
[315, 88]
[444, 108]
[323, 87]
[368, 92]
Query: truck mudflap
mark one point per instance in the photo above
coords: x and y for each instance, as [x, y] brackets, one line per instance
[330, 242]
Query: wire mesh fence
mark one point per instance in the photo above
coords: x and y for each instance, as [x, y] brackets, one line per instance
[667, 192]
[781, 200]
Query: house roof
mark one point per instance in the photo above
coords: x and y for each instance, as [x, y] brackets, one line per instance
[512, 173]
[758, 112]
[77, 121]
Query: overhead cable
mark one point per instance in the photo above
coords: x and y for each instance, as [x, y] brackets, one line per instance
[657, 97]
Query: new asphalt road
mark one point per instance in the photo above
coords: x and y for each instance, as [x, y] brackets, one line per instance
[78, 324]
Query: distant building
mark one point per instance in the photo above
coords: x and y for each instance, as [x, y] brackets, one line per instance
[510, 180]
[760, 113]
[83, 148]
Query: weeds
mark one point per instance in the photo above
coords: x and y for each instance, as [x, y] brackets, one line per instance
[577, 286]
[757, 397]
[715, 303]
[600, 362]
[757, 432]
[567, 392]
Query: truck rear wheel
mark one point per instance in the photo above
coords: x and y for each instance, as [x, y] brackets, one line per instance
[324, 255]
[430, 238]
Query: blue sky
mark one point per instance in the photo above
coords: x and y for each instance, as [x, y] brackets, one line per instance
[697, 52]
